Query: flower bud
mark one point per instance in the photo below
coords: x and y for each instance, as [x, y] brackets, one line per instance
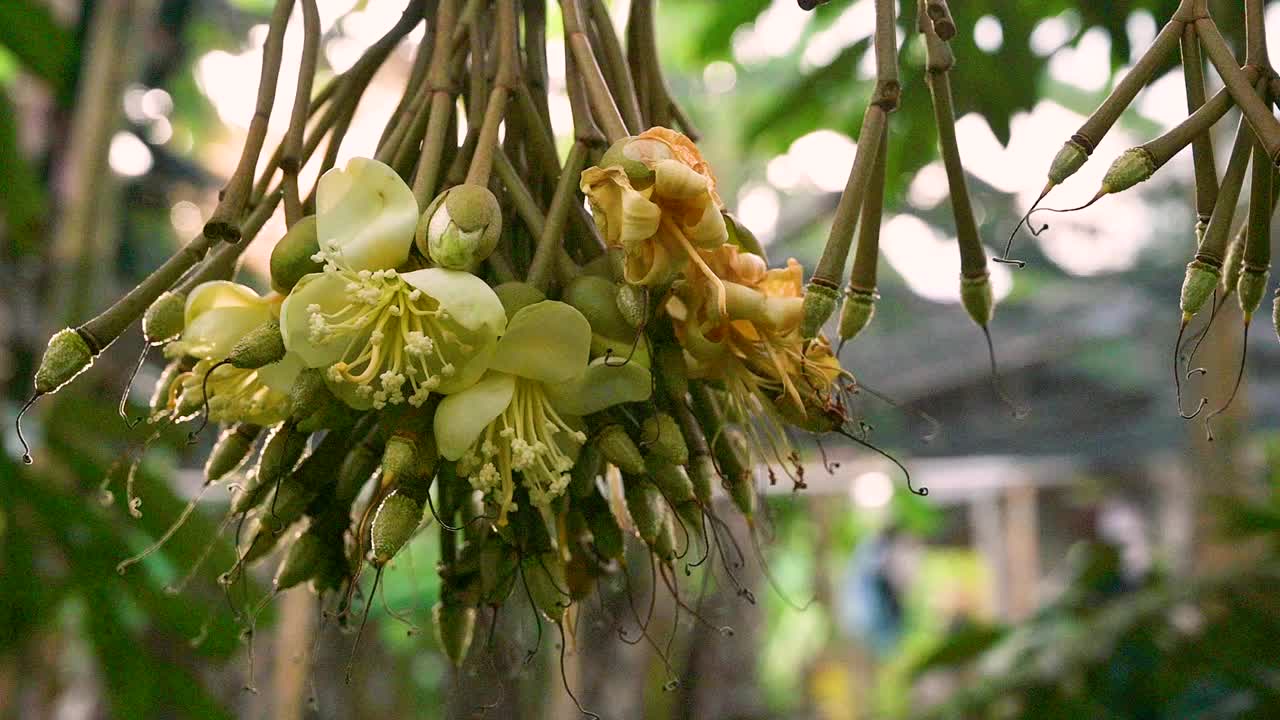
[262, 538]
[394, 522]
[646, 507]
[670, 479]
[977, 298]
[690, 514]
[662, 439]
[734, 454]
[302, 561]
[294, 255]
[279, 454]
[1132, 167]
[664, 545]
[515, 295]
[460, 227]
[605, 533]
[261, 347]
[66, 356]
[589, 465]
[1252, 285]
[597, 299]
[497, 568]
[308, 393]
[454, 624]
[703, 475]
[856, 312]
[1231, 266]
[819, 303]
[1068, 160]
[399, 458]
[633, 305]
[618, 448]
[164, 318]
[1198, 284]
[229, 451]
[544, 575]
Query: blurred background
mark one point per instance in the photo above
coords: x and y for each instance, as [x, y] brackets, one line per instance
[1097, 558]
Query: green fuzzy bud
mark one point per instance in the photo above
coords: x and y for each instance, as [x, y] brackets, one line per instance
[673, 372]
[703, 475]
[308, 394]
[856, 312]
[1132, 167]
[602, 265]
[262, 538]
[616, 259]
[399, 458]
[690, 514]
[606, 535]
[819, 304]
[1197, 286]
[303, 559]
[1069, 159]
[545, 576]
[734, 453]
[394, 522]
[618, 448]
[664, 546]
[354, 471]
[165, 383]
[262, 346]
[661, 437]
[229, 451]
[332, 413]
[741, 236]
[460, 228]
[66, 356]
[978, 299]
[1252, 286]
[455, 625]
[164, 318]
[515, 295]
[646, 507]
[1231, 266]
[279, 454]
[671, 480]
[597, 299]
[633, 305]
[293, 257]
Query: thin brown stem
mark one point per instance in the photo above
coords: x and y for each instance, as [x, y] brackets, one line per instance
[291, 162]
[551, 238]
[504, 82]
[602, 102]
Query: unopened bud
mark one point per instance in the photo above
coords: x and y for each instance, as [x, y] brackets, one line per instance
[1198, 284]
[1231, 265]
[597, 299]
[454, 624]
[460, 228]
[1069, 159]
[646, 507]
[262, 346]
[978, 299]
[856, 312]
[516, 295]
[66, 356]
[164, 318]
[670, 479]
[229, 451]
[1132, 167]
[819, 303]
[394, 522]
[301, 561]
[662, 439]
[1252, 285]
[294, 255]
[633, 304]
[618, 448]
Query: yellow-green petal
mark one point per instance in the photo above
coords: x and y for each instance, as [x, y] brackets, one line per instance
[468, 299]
[606, 382]
[367, 214]
[217, 315]
[279, 376]
[548, 341]
[461, 417]
[329, 292]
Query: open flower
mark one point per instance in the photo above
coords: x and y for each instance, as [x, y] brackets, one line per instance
[754, 346]
[216, 316]
[385, 337]
[522, 417]
[655, 197]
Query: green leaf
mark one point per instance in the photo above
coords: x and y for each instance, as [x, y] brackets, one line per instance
[29, 30]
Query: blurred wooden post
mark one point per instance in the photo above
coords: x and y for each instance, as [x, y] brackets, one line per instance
[1022, 545]
[987, 526]
[294, 634]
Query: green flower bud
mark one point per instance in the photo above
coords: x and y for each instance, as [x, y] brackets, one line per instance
[545, 577]
[164, 318]
[670, 479]
[734, 454]
[856, 312]
[1252, 286]
[605, 533]
[394, 522]
[399, 458]
[597, 299]
[262, 538]
[690, 513]
[819, 303]
[516, 295]
[618, 448]
[633, 305]
[294, 255]
[703, 475]
[646, 507]
[1197, 286]
[261, 347]
[356, 469]
[741, 236]
[460, 228]
[1069, 159]
[229, 451]
[589, 465]
[454, 624]
[1132, 167]
[308, 394]
[497, 569]
[302, 561]
[279, 454]
[67, 356]
[664, 545]
[673, 373]
[977, 298]
[662, 439]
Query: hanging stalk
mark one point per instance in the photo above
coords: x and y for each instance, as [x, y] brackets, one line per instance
[823, 288]
[1206, 173]
[1264, 124]
[861, 295]
[602, 103]
[503, 83]
[291, 162]
[443, 92]
[614, 63]
[659, 105]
